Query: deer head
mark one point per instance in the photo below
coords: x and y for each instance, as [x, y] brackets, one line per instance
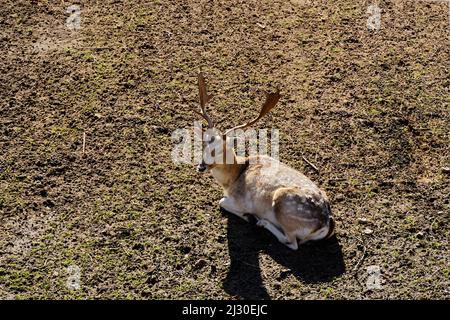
[214, 142]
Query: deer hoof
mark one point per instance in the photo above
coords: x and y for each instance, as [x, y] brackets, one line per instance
[261, 223]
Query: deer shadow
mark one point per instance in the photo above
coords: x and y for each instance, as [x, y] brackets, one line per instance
[313, 262]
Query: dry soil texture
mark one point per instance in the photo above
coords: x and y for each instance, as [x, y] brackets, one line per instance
[370, 109]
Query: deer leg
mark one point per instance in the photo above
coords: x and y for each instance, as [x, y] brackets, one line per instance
[288, 241]
[227, 204]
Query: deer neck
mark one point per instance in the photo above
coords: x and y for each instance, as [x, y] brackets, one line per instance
[227, 173]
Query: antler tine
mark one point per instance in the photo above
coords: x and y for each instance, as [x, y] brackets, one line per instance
[269, 104]
[204, 99]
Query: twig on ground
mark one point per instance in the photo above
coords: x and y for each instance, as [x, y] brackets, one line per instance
[311, 165]
[355, 268]
[249, 264]
[84, 142]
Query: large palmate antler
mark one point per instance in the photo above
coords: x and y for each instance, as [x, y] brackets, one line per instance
[271, 101]
[204, 99]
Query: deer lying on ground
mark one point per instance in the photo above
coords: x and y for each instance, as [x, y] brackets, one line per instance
[282, 200]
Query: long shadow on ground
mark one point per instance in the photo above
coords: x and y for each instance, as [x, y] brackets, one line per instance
[313, 262]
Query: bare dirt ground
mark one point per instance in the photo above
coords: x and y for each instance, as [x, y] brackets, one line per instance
[369, 108]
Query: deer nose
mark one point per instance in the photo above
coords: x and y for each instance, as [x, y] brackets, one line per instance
[201, 167]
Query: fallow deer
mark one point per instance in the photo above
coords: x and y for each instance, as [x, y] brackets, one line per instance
[283, 200]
